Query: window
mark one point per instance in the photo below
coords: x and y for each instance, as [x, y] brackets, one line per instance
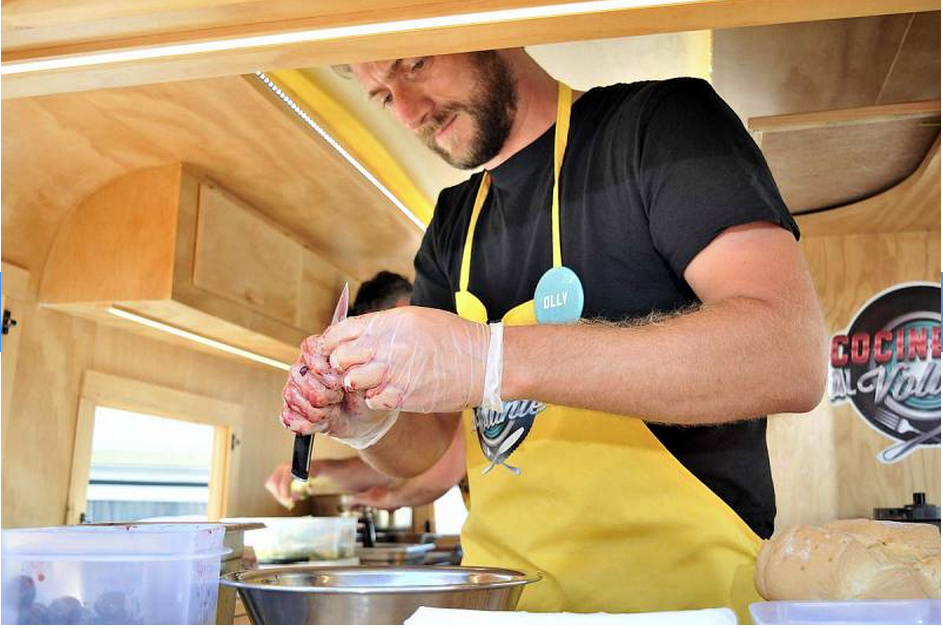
[148, 451]
[146, 466]
[450, 512]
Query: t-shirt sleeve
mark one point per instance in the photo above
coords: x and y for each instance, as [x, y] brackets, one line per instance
[431, 288]
[700, 172]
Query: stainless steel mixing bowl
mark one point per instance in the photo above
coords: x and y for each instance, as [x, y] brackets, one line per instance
[371, 595]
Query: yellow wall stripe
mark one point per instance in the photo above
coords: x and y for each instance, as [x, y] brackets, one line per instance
[356, 138]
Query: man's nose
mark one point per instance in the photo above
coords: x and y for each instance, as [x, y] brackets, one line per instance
[411, 108]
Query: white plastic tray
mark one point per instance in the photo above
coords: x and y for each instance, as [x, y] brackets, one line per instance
[860, 612]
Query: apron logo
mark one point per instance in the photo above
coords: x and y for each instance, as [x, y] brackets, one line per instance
[500, 433]
[887, 366]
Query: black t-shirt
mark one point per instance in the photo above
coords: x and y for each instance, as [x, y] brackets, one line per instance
[653, 172]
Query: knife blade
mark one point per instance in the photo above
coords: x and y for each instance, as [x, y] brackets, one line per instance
[301, 453]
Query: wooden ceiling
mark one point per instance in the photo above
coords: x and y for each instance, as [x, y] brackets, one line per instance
[832, 64]
[202, 32]
[56, 150]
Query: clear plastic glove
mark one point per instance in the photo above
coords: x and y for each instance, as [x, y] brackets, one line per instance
[311, 400]
[315, 402]
[414, 359]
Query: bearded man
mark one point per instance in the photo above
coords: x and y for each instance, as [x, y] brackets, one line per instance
[614, 302]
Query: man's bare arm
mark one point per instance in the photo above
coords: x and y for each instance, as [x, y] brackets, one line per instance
[756, 346]
[413, 444]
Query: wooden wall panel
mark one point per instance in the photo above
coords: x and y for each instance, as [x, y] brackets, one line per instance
[824, 462]
[15, 290]
[242, 258]
[37, 450]
[57, 348]
[118, 244]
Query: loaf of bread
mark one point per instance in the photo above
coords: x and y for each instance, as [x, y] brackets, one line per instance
[855, 559]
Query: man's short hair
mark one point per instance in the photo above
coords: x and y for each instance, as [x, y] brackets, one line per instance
[343, 69]
[381, 293]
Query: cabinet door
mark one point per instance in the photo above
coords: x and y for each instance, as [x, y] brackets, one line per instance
[241, 257]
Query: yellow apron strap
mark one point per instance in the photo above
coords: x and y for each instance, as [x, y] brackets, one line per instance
[564, 96]
[470, 235]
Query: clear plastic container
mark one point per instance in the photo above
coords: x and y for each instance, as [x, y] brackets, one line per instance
[859, 612]
[287, 539]
[129, 574]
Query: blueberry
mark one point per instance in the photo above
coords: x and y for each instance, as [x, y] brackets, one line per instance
[62, 609]
[35, 615]
[114, 606]
[22, 589]
[84, 616]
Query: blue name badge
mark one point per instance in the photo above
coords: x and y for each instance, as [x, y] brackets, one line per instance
[558, 298]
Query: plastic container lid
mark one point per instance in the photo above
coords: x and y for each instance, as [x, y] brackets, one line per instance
[859, 612]
[127, 542]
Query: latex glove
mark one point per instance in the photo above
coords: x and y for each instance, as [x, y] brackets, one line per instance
[311, 399]
[411, 358]
[316, 403]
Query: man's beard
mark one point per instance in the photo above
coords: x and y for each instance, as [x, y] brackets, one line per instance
[491, 108]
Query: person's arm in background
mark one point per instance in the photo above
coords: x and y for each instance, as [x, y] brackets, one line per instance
[348, 474]
[422, 489]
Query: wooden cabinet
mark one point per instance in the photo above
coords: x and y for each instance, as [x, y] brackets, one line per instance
[167, 245]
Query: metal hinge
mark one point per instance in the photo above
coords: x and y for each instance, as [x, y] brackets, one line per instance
[8, 322]
[233, 442]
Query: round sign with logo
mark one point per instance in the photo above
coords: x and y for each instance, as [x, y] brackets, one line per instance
[887, 366]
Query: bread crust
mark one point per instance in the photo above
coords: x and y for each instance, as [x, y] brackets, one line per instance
[852, 559]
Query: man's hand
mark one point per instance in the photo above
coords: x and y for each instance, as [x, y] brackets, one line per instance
[380, 497]
[279, 485]
[316, 403]
[411, 358]
[311, 400]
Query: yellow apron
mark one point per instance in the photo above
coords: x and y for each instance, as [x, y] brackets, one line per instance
[609, 517]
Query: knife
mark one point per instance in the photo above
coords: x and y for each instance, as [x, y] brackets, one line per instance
[301, 455]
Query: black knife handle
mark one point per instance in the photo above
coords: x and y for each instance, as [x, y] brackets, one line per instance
[301, 455]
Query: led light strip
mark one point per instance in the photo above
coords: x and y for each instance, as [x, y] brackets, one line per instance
[338, 32]
[176, 331]
[314, 126]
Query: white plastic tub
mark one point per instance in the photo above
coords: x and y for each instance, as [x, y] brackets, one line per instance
[288, 539]
[858, 612]
[130, 574]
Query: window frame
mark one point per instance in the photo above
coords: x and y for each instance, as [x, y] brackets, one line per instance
[102, 389]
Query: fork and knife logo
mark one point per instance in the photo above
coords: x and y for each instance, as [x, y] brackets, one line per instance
[887, 366]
